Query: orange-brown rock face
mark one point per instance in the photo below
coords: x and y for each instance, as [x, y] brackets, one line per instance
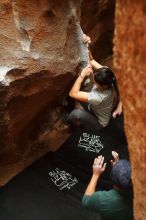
[40, 49]
[130, 64]
[40, 54]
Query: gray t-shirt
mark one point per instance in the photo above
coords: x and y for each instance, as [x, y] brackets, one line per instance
[101, 104]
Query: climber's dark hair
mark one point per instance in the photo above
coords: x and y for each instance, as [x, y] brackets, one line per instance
[104, 76]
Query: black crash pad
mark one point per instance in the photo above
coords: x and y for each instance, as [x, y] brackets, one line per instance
[52, 188]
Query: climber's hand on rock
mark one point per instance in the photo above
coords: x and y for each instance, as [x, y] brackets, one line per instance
[87, 71]
[86, 39]
[118, 110]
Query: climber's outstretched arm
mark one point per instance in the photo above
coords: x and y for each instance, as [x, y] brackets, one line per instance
[87, 40]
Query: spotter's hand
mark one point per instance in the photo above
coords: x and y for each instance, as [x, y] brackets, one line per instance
[116, 158]
[99, 165]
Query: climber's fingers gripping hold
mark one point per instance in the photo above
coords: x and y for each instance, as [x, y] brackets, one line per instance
[86, 39]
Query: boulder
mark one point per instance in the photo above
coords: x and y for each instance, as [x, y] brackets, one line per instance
[41, 53]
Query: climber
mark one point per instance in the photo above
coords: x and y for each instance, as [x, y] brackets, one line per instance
[114, 204]
[87, 40]
[100, 102]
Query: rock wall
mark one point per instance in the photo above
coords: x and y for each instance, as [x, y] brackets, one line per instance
[40, 51]
[130, 65]
[40, 55]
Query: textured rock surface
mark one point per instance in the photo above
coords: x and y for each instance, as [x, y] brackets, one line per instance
[130, 64]
[40, 49]
[98, 22]
[40, 54]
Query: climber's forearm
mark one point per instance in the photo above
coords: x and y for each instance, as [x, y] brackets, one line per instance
[93, 62]
[90, 54]
[76, 86]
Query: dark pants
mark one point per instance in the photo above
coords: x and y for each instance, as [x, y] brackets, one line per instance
[84, 118]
